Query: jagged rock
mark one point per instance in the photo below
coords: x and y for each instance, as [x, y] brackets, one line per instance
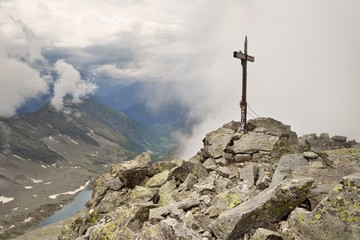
[224, 171]
[242, 157]
[216, 142]
[158, 179]
[127, 222]
[161, 166]
[179, 196]
[221, 184]
[181, 231]
[264, 180]
[159, 231]
[189, 182]
[310, 142]
[340, 139]
[165, 193]
[336, 217]
[143, 194]
[159, 213]
[70, 231]
[286, 165]
[324, 137]
[111, 200]
[253, 143]
[182, 171]
[133, 172]
[191, 222]
[310, 155]
[274, 127]
[206, 186]
[248, 174]
[221, 161]
[269, 206]
[209, 163]
[111, 182]
[345, 162]
[265, 234]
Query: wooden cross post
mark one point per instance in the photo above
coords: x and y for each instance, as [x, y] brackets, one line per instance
[244, 57]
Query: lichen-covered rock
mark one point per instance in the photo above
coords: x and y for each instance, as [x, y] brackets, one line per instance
[126, 222]
[133, 172]
[165, 193]
[265, 234]
[70, 230]
[269, 206]
[336, 217]
[158, 180]
[143, 194]
[159, 231]
[228, 199]
[111, 200]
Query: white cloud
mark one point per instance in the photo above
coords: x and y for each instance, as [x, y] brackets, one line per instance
[19, 50]
[306, 53]
[69, 83]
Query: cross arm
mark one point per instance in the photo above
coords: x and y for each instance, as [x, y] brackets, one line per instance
[242, 56]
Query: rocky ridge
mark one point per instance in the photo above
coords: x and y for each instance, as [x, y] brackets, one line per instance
[265, 184]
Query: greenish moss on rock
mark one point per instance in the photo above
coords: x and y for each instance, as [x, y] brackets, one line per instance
[336, 217]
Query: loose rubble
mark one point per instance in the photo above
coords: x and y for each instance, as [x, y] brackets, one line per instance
[265, 184]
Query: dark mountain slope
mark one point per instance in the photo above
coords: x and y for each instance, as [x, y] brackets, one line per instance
[22, 135]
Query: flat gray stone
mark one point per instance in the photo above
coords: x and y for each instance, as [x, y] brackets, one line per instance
[253, 143]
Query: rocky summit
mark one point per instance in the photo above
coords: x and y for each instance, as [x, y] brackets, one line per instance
[264, 184]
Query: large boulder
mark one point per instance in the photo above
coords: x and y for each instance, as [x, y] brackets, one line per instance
[286, 165]
[133, 172]
[269, 206]
[253, 142]
[215, 142]
[336, 217]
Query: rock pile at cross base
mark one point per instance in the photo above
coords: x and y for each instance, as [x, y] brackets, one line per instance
[265, 184]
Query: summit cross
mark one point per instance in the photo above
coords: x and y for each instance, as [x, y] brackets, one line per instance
[244, 57]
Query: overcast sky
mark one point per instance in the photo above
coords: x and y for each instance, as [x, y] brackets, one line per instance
[306, 71]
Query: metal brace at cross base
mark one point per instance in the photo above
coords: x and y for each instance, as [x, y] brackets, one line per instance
[244, 57]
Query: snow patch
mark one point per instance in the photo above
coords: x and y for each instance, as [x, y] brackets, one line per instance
[49, 125]
[36, 181]
[70, 192]
[76, 167]
[35, 195]
[91, 131]
[18, 157]
[43, 166]
[28, 219]
[4, 199]
[29, 187]
[12, 226]
[53, 150]
[47, 183]
[72, 140]
[51, 138]
[14, 209]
